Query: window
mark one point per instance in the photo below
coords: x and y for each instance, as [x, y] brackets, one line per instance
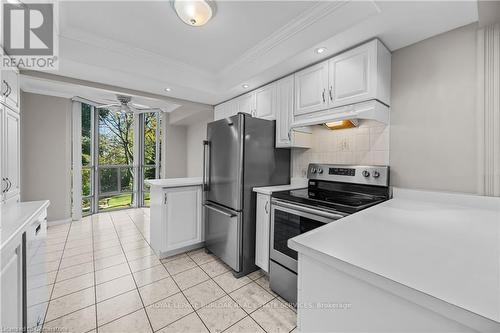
[87, 159]
[110, 145]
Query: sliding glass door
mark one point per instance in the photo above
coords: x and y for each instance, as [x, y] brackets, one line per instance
[122, 153]
[115, 169]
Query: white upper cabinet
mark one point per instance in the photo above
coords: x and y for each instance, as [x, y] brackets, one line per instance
[10, 88]
[246, 103]
[265, 102]
[284, 111]
[357, 75]
[311, 86]
[360, 74]
[11, 154]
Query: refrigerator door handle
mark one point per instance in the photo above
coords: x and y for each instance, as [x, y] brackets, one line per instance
[218, 210]
[206, 164]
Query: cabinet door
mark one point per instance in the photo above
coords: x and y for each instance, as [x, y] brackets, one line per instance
[12, 151]
[311, 89]
[3, 183]
[11, 78]
[265, 102]
[246, 103]
[263, 219]
[350, 76]
[11, 288]
[284, 111]
[183, 216]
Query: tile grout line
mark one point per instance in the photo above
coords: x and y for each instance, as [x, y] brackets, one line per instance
[180, 290]
[55, 279]
[93, 267]
[194, 310]
[133, 278]
[246, 314]
[188, 254]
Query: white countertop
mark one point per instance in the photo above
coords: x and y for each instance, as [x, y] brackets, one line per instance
[175, 182]
[444, 245]
[14, 217]
[295, 183]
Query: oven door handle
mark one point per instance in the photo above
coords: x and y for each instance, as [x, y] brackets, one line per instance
[300, 208]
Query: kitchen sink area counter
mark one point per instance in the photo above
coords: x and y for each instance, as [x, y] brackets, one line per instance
[428, 261]
[176, 215]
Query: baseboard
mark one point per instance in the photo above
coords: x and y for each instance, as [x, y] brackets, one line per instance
[58, 222]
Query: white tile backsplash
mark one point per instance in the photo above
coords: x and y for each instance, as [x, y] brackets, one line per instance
[366, 144]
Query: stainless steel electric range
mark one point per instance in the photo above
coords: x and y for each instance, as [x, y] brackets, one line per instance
[333, 192]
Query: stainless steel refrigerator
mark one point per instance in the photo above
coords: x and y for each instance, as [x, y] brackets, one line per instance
[239, 154]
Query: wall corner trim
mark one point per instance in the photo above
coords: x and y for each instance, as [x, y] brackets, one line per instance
[488, 109]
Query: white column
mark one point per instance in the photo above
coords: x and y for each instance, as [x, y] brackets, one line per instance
[488, 99]
[76, 128]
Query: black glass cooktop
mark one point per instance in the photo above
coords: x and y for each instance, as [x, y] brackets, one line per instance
[343, 201]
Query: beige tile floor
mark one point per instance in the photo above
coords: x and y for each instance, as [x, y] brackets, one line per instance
[104, 277]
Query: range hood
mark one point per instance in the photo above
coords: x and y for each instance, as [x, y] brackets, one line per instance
[371, 110]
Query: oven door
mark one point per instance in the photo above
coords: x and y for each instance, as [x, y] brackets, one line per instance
[289, 220]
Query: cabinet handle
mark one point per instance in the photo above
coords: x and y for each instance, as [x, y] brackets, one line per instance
[9, 185]
[9, 91]
[331, 95]
[165, 198]
[4, 83]
[6, 187]
[290, 134]
[323, 95]
[266, 207]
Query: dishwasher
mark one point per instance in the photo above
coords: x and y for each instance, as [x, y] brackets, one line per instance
[35, 282]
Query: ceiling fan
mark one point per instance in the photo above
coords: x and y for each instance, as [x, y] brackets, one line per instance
[125, 105]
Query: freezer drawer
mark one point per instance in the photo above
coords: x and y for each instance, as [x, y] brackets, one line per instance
[223, 234]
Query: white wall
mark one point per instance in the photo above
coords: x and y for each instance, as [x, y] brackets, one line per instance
[46, 152]
[433, 113]
[196, 133]
[174, 157]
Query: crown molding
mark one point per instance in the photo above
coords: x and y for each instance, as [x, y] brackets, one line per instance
[300, 23]
[113, 45]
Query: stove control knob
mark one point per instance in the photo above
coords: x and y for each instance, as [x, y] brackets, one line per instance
[376, 174]
[366, 173]
[313, 170]
[320, 171]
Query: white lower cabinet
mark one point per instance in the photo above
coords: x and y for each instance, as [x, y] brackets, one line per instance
[176, 219]
[262, 228]
[11, 291]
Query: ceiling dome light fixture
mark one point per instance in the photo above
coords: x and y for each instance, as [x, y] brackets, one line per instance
[245, 86]
[194, 12]
[168, 89]
[320, 50]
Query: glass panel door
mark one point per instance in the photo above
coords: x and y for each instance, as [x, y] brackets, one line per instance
[116, 160]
